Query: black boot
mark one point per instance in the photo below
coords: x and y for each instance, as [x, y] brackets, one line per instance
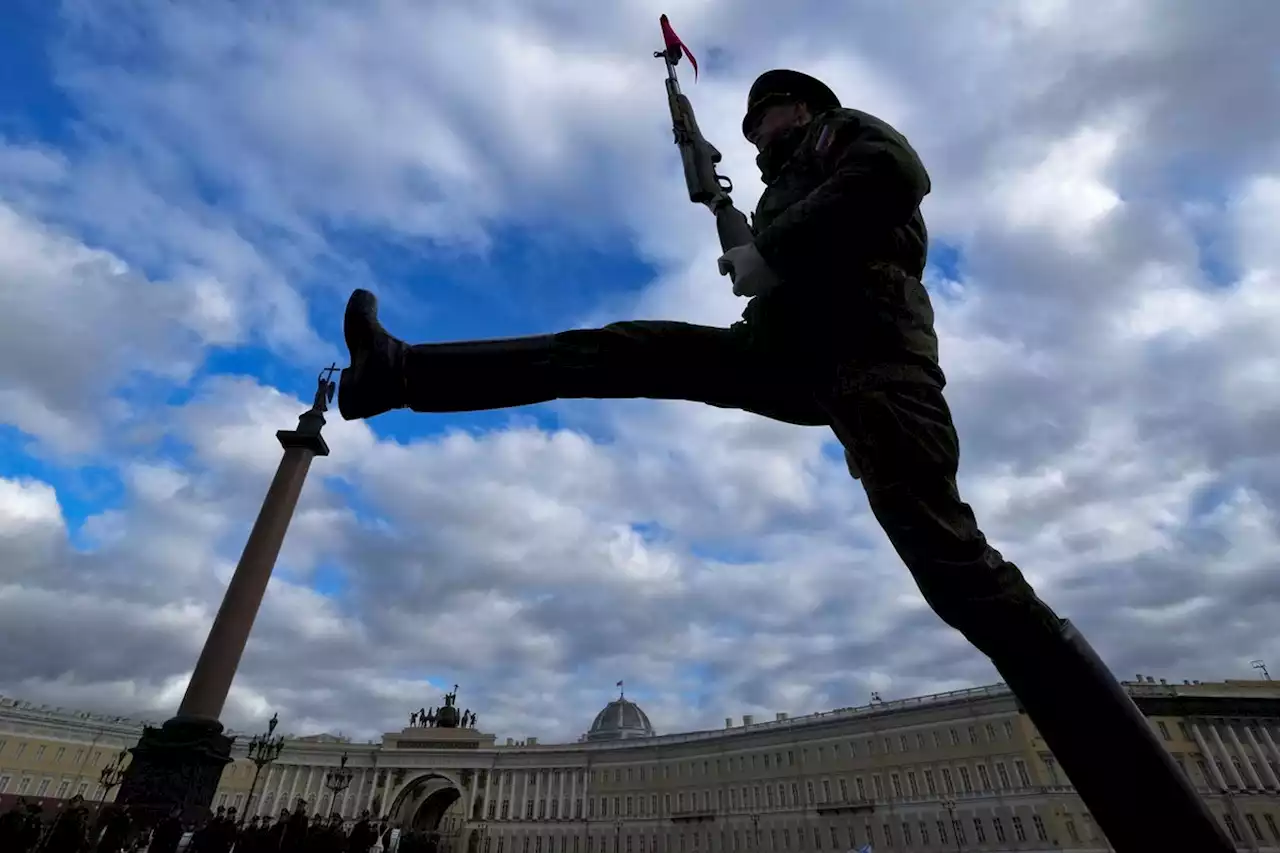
[1137, 794]
[461, 376]
[374, 383]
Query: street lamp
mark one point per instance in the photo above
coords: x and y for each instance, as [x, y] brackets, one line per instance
[112, 775]
[338, 780]
[263, 749]
[617, 835]
[950, 805]
[755, 827]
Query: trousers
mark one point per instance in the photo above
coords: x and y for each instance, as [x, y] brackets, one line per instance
[900, 437]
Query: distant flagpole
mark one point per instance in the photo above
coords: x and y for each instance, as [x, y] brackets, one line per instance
[622, 693]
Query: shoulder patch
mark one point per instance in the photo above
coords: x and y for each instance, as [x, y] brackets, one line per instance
[825, 137]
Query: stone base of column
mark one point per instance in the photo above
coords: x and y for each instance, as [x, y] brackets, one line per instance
[175, 766]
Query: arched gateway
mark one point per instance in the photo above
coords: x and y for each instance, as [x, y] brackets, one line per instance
[436, 808]
[430, 805]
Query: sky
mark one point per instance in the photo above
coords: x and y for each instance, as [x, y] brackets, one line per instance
[189, 192]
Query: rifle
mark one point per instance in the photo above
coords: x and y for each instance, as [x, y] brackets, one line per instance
[700, 157]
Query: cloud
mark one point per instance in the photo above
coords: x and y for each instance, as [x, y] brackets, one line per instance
[1108, 330]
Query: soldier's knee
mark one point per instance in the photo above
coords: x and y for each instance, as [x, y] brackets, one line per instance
[854, 471]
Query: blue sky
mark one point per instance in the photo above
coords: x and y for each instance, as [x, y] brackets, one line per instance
[188, 193]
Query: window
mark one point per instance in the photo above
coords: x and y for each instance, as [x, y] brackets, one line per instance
[1019, 832]
[888, 746]
[888, 835]
[57, 756]
[1232, 828]
[920, 740]
[911, 783]
[63, 789]
[906, 833]
[835, 839]
[991, 733]
[896, 779]
[958, 828]
[809, 790]
[1008, 729]
[1024, 779]
[929, 783]
[973, 734]
[1164, 730]
[1003, 774]
[879, 786]
[826, 790]
[984, 778]
[942, 833]
[1071, 830]
[844, 791]
[22, 747]
[999, 829]
[946, 780]
[4, 783]
[965, 782]
[791, 758]
[955, 738]
[39, 753]
[979, 833]
[924, 834]
[782, 795]
[1253, 826]
[44, 788]
[24, 785]
[1038, 823]
[902, 743]
[862, 791]
[937, 739]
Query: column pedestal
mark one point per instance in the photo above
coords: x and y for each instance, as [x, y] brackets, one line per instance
[176, 766]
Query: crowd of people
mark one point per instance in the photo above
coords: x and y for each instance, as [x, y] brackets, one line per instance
[27, 828]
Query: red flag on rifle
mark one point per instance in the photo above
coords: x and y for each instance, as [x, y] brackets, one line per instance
[675, 47]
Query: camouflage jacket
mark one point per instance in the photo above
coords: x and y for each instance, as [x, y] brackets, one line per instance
[840, 224]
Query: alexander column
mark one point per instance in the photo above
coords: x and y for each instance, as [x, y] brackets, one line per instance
[179, 764]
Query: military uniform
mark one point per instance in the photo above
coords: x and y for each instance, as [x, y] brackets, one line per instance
[845, 341]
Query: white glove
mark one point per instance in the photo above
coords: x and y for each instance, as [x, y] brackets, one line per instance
[750, 274]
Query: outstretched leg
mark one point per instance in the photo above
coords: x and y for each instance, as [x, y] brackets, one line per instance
[658, 360]
[902, 441]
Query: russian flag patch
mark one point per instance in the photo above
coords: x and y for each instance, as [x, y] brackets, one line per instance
[825, 138]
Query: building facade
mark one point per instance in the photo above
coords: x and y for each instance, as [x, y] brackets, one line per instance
[962, 771]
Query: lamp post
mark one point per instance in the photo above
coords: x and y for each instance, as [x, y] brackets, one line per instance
[263, 750]
[111, 776]
[482, 830]
[108, 779]
[755, 827]
[338, 780]
[950, 805]
[617, 836]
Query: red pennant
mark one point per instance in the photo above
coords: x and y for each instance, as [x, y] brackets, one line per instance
[675, 47]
